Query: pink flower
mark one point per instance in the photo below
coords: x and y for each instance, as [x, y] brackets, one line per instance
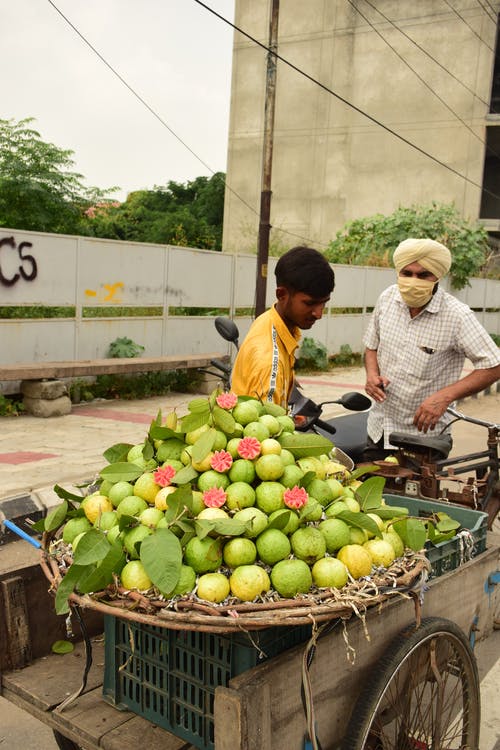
[164, 475]
[221, 461]
[227, 400]
[214, 497]
[295, 498]
[249, 447]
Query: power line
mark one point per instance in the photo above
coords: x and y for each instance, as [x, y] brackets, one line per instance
[450, 6]
[428, 54]
[165, 124]
[346, 101]
[415, 73]
[486, 9]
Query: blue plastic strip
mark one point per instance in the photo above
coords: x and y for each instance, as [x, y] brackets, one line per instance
[12, 526]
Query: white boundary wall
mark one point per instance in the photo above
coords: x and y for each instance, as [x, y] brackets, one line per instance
[82, 273]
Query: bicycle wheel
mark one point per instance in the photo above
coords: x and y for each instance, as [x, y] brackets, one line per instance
[423, 695]
[64, 743]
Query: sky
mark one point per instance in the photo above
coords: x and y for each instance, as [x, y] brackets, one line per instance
[174, 54]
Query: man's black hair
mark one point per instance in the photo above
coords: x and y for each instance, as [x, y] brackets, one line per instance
[303, 269]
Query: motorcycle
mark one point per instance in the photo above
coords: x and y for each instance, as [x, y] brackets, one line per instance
[347, 433]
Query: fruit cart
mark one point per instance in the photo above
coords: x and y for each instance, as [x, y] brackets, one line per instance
[225, 695]
[380, 660]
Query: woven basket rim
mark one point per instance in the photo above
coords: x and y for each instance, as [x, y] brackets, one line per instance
[403, 579]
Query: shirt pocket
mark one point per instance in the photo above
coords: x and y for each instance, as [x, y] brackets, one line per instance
[426, 362]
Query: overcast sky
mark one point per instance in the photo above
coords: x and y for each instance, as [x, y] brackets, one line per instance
[173, 53]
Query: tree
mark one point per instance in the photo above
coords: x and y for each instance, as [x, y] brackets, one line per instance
[372, 241]
[188, 214]
[37, 189]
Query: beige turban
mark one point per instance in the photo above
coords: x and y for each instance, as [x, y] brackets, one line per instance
[432, 255]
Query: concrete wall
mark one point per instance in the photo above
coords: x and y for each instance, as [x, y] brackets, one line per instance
[95, 278]
[331, 164]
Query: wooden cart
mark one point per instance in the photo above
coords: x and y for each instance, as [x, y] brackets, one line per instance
[259, 709]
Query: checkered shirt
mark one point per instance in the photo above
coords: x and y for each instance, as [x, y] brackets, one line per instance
[421, 355]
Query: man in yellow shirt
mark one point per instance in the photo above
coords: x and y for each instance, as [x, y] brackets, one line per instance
[265, 362]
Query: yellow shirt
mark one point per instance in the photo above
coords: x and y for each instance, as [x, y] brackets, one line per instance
[264, 365]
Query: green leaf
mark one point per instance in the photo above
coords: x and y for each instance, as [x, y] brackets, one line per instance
[360, 520]
[122, 471]
[148, 451]
[413, 532]
[223, 420]
[203, 446]
[307, 479]
[199, 406]
[193, 422]
[161, 555]
[304, 444]
[280, 520]
[369, 493]
[56, 517]
[102, 575]
[67, 586]
[39, 525]
[365, 469]
[162, 433]
[229, 527]
[66, 495]
[185, 475]
[62, 647]
[92, 547]
[446, 523]
[203, 527]
[388, 512]
[117, 452]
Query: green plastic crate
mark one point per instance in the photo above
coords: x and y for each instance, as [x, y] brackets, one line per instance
[169, 676]
[448, 555]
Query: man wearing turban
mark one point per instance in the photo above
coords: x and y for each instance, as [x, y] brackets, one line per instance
[417, 341]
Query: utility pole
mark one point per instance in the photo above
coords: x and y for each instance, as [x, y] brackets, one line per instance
[267, 163]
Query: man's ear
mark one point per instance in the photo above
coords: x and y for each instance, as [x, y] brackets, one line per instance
[282, 293]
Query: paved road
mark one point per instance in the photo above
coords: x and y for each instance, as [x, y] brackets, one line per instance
[37, 453]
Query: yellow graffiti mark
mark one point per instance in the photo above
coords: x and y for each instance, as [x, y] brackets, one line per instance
[90, 293]
[112, 289]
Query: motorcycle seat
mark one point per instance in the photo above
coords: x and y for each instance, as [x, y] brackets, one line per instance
[441, 444]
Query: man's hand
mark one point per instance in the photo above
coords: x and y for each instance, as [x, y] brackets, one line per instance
[375, 387]
[430, 411]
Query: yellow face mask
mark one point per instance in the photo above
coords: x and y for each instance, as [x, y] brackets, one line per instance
[415, 292]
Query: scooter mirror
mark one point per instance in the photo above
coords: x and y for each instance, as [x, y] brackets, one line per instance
[228, 329]
[355, 401]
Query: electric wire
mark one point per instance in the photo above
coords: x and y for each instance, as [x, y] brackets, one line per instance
[171, 131]
[345, 101]
[455, 11]
[428, 54]
[486, 8]
[420, 78]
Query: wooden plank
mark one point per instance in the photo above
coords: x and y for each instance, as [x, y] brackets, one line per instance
[107, 366]
[49, 680]
[458, 596]
[16, 622]
[139, 732]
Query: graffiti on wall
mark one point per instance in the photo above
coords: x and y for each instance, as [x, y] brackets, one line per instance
[111, 293]
[24, 263]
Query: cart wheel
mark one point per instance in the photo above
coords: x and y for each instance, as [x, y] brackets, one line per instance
[424, 694]
[64, 743]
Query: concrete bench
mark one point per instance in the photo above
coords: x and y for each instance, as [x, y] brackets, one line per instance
[45, 393]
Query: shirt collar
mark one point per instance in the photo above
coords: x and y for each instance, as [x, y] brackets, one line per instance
[290, 339]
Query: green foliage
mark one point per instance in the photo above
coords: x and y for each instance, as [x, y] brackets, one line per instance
[372, 240]
[187, 214]
[10, 407]
[496, 338]
[312, 355]
[38, 190]
[124, 347]
[345, 357]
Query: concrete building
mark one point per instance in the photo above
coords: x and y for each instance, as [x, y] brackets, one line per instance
[408, 112]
